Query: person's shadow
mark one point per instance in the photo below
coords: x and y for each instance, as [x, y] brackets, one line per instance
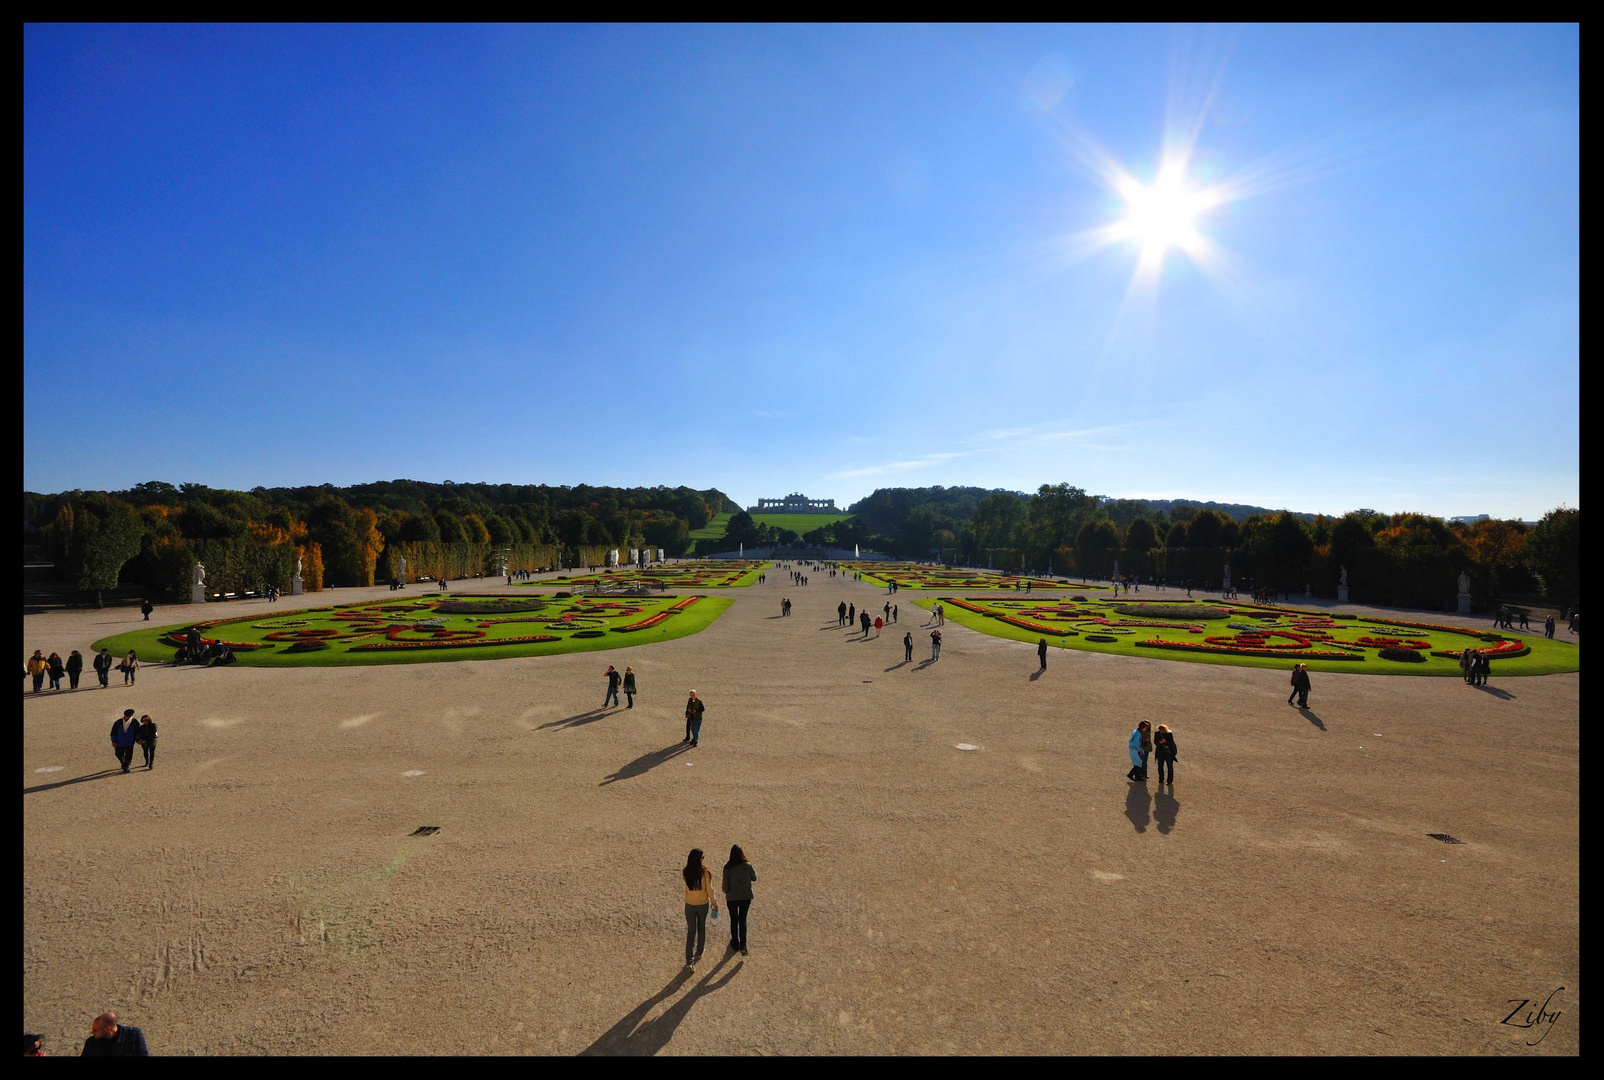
[1136, 803]
[927, 663]
[635, 1036]
[1165, 808]
[647, 762]
[894, 667]
[1501, 695]
[1310, 715]
[578, 719]
[102, 774]
[1038, 673]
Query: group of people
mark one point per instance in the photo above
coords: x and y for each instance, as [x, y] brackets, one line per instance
[1300, 685]
[40, 667]
[1504, 618]
[1475, 665]
[107, 1038]
[614, 681]
[736, 885]
[127, 733]
[1160, 745]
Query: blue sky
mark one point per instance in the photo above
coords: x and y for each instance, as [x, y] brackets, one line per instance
[825, 259]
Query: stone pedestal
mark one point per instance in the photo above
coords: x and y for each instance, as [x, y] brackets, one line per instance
[1464, 603]
[197, 594]
[296, 587]
[1342, 594]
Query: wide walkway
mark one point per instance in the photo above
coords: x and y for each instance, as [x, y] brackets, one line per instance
[260, 890]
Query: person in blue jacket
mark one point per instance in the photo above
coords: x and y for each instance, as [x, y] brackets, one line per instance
[1138, 763]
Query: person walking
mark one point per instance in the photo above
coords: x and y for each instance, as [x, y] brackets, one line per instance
[1041, 653]
[147, 740]
[1293, 682]
[1147, 744]
[107, 1038]
[103, 664]
[893, 613]
[1484, 668]
[145, 608]
[852, 614]
[75, 668]
[629, 686]
[1303, 686]
[737, 885]
[38, 667]
[56, 669]
[1548, 627]
[124, 735]
[1164, 752]
[613, 679]
[888, 611]
[1138, 761]
[907, 647]
[841, 613]
[698, 898]
[129, 667]
[693, 719]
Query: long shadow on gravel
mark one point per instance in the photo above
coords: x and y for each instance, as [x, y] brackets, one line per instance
[75, 780]
[632, 1038]
[646, 763]
[577, 720]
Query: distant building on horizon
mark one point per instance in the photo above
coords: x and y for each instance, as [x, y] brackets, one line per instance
[794, 503]
[1470, 519]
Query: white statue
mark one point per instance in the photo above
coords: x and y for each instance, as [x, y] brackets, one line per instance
[403, 568]
[200, 574]
[1344, 578]
[297, 566]
[1464, 583]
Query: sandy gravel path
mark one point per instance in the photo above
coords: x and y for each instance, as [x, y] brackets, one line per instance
[259, 890]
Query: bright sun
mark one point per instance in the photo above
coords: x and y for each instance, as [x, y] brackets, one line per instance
[1161, 215]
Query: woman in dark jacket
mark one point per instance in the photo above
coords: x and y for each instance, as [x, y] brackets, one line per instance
[75, 668]
[57, 670]
[738, 879]
[147, 739]
[1164, 751]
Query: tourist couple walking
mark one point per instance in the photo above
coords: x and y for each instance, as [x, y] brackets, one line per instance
[699, 900]
[613, 680]
[1145, 743]
[127, 733]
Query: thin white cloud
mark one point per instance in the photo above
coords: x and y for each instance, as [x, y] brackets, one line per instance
[897, 466]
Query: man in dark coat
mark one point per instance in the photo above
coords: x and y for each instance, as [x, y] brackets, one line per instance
[841, 613]
[146, 608]
[1302, 678]
[103, 664]
[693, 719]
[124, 736]
[1041, 653]
[110, 1039]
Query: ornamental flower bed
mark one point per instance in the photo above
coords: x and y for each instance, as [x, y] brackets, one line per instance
[1236, 650]
[1036, 627]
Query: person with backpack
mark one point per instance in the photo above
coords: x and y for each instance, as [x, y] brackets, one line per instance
[129, 667]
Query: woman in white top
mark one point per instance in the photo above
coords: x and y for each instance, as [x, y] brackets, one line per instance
[698, 898]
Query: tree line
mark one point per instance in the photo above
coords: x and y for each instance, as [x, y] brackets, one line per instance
[153, 533]
[1406, 559]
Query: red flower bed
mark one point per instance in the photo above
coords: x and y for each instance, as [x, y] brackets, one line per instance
[453, 644]
[685, 603]
[1505, 649]
[644, 624]
[1227, 650]
[1034, 627]
[1259, 642]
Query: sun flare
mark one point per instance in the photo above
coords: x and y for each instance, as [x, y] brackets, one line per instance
[1163, 214]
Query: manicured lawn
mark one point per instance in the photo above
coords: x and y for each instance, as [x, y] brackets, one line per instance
[694, 574]
[919, 576]
[798, 523]
[1212, 632]
[713, 529]
[434, 628]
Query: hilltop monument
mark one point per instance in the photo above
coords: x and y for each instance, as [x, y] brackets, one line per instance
[794, 503]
